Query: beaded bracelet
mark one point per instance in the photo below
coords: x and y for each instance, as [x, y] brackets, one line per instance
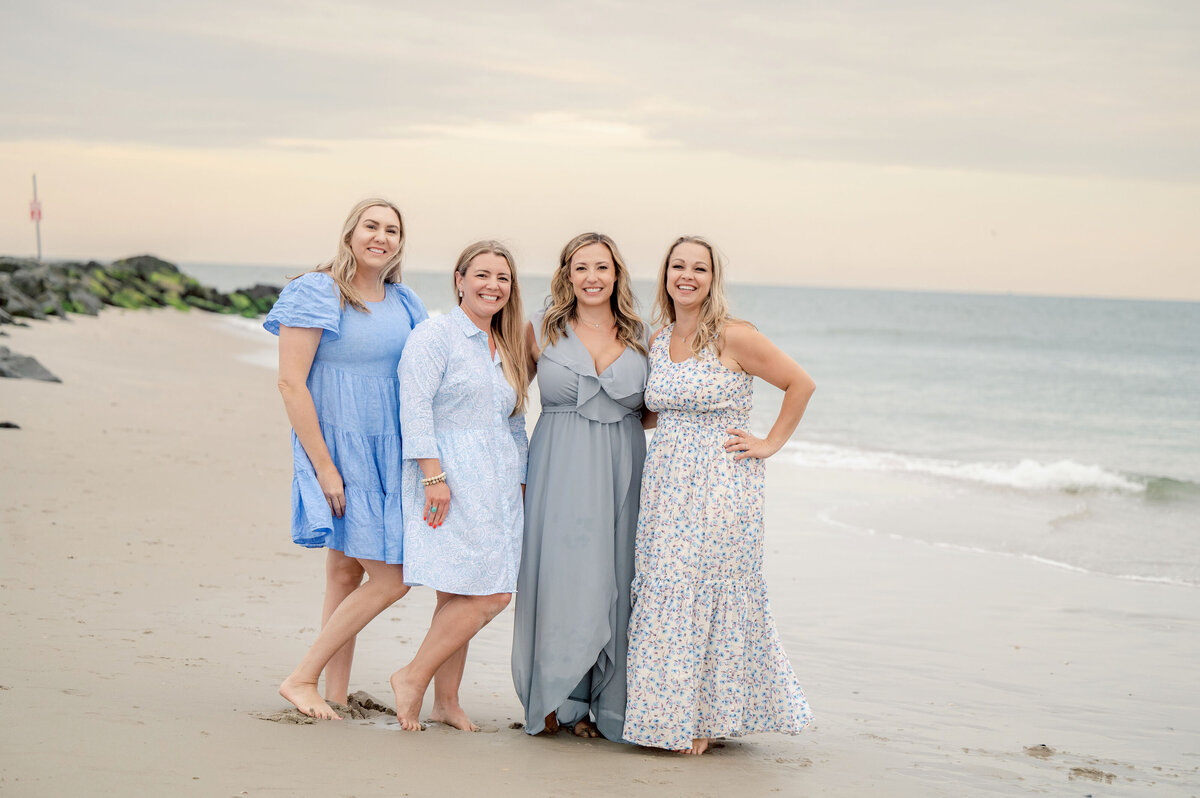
[427, 481]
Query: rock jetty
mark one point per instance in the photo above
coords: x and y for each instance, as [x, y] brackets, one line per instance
[33, 290]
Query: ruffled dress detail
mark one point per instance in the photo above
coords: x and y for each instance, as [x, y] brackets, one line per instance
[356, 391]
[705, 658]
[573, 601]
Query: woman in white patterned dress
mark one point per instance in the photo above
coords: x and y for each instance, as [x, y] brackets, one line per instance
[463, 383]
[705, 659]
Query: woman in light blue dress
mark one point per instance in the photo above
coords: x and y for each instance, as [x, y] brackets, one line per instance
[585, 471]
[463, 383]
[341, 331]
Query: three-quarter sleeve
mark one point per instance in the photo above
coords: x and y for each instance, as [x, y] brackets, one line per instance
[311, 300]
[516, 425]
[422, 368]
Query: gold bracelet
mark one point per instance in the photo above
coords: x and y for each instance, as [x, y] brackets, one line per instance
[427, 481]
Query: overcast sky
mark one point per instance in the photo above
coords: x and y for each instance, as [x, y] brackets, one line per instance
[1046, 147]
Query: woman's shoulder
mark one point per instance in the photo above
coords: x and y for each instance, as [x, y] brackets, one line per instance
[314, 280]
[406, 292]
[310, 300]
[411, 301]
[738, 336]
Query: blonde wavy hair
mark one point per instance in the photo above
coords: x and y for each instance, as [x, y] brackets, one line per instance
[508, 322]
[342, 267]
[714, 310]
[562, 305]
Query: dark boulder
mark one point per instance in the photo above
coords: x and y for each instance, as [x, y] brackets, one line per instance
[8, 264]
[144, 265]
[84, 302]
[20, 305]
[31, 282]
[23, 367]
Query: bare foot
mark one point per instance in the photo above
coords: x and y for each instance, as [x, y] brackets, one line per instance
[452, 716]
[699, 746]
[552, 726]
[585, 728]
[305, 697]
[408, 702]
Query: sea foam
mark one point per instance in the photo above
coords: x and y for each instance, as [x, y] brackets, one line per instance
[1064, 475]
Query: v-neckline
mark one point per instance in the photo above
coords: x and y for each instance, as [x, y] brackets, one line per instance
[596, 371]
[671, 331]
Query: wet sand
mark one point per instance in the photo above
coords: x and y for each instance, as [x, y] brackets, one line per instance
[152, 601]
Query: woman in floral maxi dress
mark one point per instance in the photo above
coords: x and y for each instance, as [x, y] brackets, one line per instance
[705, 659]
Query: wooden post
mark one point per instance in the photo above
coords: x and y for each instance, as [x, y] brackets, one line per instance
[35, 213]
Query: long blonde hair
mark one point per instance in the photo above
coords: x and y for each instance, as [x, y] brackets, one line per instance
[714, 310]
[343, 266]
[508, 322]
[563, 305]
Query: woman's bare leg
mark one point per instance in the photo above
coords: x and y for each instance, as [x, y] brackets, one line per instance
[456, 621]
[446, 682]
[343, 575]
[383, 588]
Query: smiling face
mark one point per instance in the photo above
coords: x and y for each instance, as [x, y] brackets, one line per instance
[592, 275]
[376, 237]
[689, 275]
[486, 284]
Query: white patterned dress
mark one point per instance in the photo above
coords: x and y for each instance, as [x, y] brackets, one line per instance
[705, 659]
[456, 405]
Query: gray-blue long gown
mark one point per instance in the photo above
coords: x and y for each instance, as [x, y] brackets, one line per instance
[581, 505]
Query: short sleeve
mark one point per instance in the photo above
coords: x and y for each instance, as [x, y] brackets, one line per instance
[412, 303]
[311, 300]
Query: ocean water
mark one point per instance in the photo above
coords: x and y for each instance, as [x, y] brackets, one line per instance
[1064, 430]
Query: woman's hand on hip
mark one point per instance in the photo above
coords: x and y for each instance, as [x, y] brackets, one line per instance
[335, 492]
[437, 503]
[742, 444]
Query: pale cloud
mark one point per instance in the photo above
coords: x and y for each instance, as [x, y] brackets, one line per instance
[553, 128]
[1069, 88]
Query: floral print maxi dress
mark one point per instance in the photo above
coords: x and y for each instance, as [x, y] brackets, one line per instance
[705, 659]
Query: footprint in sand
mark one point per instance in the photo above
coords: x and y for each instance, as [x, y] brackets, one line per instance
[1092, 774]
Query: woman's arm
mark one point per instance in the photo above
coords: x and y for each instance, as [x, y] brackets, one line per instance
[649, 417]
[531, 349]
[422, 370]
[757, 356]
[297, 348]
[516, 426]
[437, 496]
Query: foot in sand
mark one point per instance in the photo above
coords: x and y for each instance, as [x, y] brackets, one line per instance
[585, 728]
[306, 698]
[699, 746]
[408, 702]
[552, 726]
[452, 716]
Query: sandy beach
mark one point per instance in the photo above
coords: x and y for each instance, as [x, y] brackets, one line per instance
[152, 601]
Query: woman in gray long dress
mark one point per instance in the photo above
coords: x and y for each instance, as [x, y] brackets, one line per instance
[581, 502]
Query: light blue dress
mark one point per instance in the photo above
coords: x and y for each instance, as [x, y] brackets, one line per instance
[457, 407]
[585, 473]
[356, 391]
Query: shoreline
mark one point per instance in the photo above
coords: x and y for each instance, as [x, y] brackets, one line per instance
[158, 602]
